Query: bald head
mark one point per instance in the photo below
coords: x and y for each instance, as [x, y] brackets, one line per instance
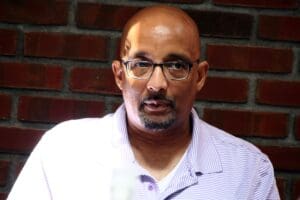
[161, 22]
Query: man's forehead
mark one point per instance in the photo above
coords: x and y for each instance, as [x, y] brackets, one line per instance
[161, 40]
[156, 24]
[163, 18]
[162, 30]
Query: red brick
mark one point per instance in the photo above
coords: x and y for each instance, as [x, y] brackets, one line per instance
[53, 110]
[117, 50]
[93, 81]
[63, 45]
[3, 196]
[4, 170]
[259, 3]
[222, 24]
[249, 123]
[250, 58]
[28, 75]
[279, 27]
[296, 190]
[224, 89]
[5, 106]
[52, 12]
[283, 158]
[101, 16]
[20, 140]
[297, 127]
[276, 92]
[281, 185]
[8, 41]
[114, 17]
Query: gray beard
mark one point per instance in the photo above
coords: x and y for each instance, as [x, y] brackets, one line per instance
[157, 126]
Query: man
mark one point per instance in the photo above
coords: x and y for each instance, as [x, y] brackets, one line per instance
[154, 146]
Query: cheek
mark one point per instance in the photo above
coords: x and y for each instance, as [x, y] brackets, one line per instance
[184, 95]
[185, 101]
[132, 92]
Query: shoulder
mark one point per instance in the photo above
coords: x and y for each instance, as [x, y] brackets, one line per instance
[80, 126]
[83, 135]
[78, 133]
[244, 166]
[235, 154]
[226, 142]
[239, 158]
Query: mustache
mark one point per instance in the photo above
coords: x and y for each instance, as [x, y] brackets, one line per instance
[160, 97]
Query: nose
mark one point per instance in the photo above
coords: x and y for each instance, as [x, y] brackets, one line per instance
[157, 81]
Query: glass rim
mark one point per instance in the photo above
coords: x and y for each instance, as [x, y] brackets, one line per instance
[161, 65]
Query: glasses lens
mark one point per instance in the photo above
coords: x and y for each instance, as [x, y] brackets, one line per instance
[139, 69]
[143, 69]
[177, 70]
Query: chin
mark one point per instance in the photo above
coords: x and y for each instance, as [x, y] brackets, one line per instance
[157, 124]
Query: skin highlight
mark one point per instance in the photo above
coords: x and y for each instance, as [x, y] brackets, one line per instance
[160, 34]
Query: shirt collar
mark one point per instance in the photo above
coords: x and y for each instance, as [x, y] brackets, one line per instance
[119, 136]
[202, 152]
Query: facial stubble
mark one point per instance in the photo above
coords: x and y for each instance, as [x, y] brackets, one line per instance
[155, 125]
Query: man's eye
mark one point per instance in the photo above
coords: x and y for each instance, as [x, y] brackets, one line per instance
[177, 65]
[142, 64]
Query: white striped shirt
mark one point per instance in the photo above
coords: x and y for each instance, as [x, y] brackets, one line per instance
[92, 159]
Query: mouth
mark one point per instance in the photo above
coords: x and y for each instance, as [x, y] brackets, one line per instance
[157, 106]
[157, 112]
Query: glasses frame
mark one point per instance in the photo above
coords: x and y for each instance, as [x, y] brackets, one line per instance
[161, 65]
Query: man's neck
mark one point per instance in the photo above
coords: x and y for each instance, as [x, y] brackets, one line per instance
[159, 152]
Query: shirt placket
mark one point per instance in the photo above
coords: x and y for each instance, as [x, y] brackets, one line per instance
[183, 179]
[147, 188]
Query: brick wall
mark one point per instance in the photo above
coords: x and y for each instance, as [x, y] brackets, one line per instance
[55, 65]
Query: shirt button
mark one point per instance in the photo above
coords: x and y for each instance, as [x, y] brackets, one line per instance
[191, 173]
[150, 187]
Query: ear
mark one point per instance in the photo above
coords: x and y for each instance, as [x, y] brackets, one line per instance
[117, 69]
[202, 69]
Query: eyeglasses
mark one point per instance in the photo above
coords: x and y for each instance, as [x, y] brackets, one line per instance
[173, 70]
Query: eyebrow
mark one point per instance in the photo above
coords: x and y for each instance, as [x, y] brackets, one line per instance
[176, 56]
[172, 56]
[142, 55]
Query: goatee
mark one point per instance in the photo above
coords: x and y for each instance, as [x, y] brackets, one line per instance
[155, 125]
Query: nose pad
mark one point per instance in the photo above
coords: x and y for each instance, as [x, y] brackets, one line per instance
[157, 81]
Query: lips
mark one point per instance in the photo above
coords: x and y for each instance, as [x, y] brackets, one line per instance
[157, 106]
